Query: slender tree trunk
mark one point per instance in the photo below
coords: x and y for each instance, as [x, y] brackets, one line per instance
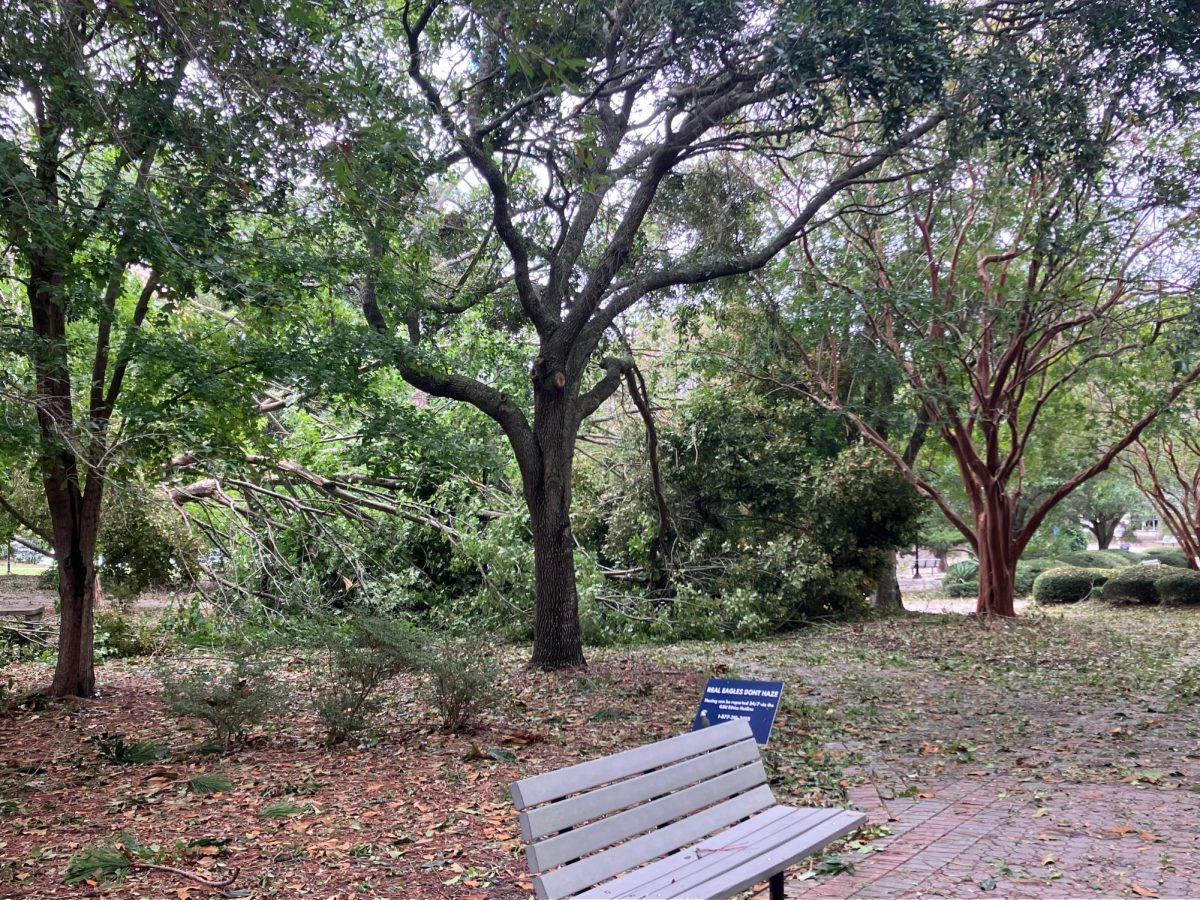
[557, 643]
[78, 586]
[74, 512]
[998, 556]
[887, 591]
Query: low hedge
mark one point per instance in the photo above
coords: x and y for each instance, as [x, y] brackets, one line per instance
[962, 578]
[1136, 584]
[1068, 584]
[1101, 559]
[1178, 587]
[1029, 570]
[1169, 556]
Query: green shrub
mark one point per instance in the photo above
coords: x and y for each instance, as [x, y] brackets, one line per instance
[144, 543]
[460, 679]
[362, 656]
[1100, 559]
[48, 580]
[103, 864]
[119, 636]
[1135, 584]
[1179, 586]
[1055, 542]
[229, 698]
[114, 748]
[1068, 584]
[1028, 571]
[1169, 556]
[962, 578]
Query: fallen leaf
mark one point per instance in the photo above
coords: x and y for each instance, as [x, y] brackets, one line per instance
[1143, 892]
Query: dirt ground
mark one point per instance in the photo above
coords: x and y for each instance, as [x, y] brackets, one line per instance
[21, 591]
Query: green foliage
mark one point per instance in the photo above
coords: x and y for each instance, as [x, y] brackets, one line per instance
[284, 809]
[778, 522]
[461, 679]
[119, 635]
[1101, 559]
[1103, 501]
[209, 783]
[229, 698]
[114, 748]
[1135, 584]
[1068, 584]
[144, 544]
[104, 864]
[1169, 556]
[962, 578]
[1057, 542]
[1028, 571]
[362, 656]
[1179, 587]
[942, 540]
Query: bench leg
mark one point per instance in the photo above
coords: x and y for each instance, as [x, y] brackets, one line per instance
[777, 886]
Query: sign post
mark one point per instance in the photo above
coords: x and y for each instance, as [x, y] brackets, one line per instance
[726, 699]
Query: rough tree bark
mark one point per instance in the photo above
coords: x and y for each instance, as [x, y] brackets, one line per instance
[557, 642]
[887, 597]
[1104, 531]
[74, 509]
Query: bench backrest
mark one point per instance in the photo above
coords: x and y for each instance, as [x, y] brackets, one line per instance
[638, 805]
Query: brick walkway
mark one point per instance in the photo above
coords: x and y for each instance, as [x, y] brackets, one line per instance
[997, 837]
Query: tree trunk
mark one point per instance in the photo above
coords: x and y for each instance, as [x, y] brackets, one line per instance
[74, 512]
[74, 673]
[557, 643]
[998, 556]
[1105, 528]
[887, 591]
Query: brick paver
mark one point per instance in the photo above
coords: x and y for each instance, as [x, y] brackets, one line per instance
[1000, 837]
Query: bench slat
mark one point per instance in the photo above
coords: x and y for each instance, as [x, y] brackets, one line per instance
[544, 820]
[581, 776]
[764, 821]
[608, 831]
[775, 860]
[808, 828]
[572, 879]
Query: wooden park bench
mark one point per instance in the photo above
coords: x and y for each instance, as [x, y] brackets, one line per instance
[691, 816]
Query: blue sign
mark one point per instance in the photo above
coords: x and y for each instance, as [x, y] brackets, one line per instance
[755, 701]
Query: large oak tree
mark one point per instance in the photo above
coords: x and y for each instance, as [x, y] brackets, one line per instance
[573, 130]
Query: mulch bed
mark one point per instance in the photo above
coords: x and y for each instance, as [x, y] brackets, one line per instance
[417, 813]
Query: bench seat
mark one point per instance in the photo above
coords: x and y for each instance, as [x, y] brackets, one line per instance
[691, 816]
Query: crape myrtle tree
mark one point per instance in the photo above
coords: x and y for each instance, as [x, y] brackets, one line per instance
[134, 137]
[567, 128]
[1165, 464]
[1000, 296]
